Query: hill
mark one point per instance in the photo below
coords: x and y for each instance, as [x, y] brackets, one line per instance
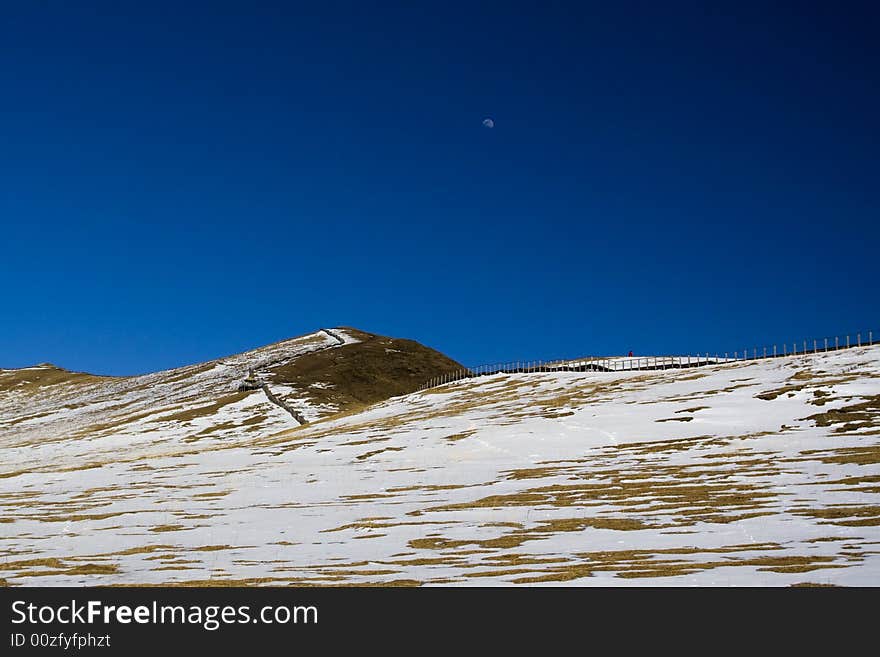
[298, 380]
[745, 473]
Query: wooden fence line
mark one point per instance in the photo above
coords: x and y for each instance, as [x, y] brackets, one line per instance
[648, 363]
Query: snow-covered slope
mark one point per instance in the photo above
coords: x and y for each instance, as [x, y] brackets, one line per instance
[100, 418]
[742, 473]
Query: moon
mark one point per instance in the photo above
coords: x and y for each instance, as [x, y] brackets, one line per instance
[489, 123]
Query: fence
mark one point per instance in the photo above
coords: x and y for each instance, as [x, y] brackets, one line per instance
[647, 363]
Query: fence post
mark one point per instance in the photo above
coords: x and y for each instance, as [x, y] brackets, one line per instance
[774, 351]
[859, 339]
[836, 345]
[847, 342]
[826, 345]
[870, 337]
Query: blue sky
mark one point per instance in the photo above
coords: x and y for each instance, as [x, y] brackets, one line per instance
[181, 181]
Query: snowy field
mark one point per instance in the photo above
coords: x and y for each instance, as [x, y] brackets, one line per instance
[746, 473]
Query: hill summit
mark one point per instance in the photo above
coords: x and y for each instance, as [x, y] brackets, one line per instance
[293, 382]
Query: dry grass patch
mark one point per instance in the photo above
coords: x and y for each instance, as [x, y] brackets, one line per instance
[362, 373]
[693, 409]
[868, 455]
[848, 516]
[169, 528]
[862, 415]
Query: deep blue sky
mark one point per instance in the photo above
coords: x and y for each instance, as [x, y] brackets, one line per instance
[180, 181]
